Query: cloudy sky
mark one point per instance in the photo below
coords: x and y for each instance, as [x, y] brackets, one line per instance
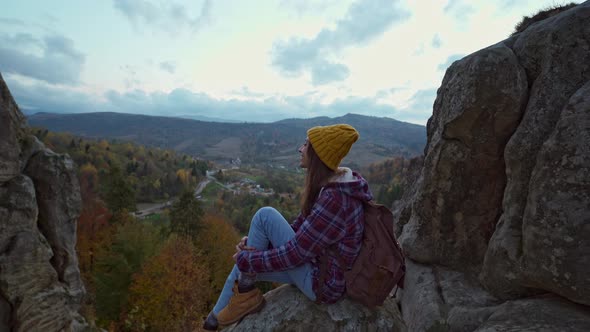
[255, 61]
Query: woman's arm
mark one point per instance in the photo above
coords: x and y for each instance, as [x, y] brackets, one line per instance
[297, 223]
[323, 227]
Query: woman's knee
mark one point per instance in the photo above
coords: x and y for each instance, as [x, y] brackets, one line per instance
[267, 210]
[263, 213]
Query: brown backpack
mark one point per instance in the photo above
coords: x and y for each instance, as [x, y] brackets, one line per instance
[380, 265]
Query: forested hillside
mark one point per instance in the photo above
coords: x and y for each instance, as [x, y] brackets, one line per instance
[166, 269]
[246, 190]
[160, 272]
[254, 143]
[152, 174]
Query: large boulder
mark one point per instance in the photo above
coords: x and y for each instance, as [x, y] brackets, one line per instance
[402, 208]
[556, 229]
[544, 313]
[502, 205]
[540, 240]
[436, 297]
[11, 120]
[37, 300]
[288, 309]
[40, 285]
[477, 109]
[59, 201]
[439, 299]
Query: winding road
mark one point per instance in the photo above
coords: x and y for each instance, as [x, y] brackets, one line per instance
[160, 206]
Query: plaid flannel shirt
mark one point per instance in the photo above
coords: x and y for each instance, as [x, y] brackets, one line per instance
[336, 217]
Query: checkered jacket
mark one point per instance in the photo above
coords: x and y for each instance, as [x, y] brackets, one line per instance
[336, 217]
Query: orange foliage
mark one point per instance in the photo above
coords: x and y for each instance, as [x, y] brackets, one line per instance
[218, 240]
[103, 144]
[390, 170]
[94, 231]
[171, 291]
[184, 176]
[88, 176]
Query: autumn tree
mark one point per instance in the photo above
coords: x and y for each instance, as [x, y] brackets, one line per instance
[118, 193]
[171, 291]
[133, 243]
[88, 178]
[151, 173]
[184, 176]
[93, 232]
[217, 240]
[93, 229]
[199, 168]
[186, 215]
[386, 178]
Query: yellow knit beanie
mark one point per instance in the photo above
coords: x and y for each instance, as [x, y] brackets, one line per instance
[332, 143]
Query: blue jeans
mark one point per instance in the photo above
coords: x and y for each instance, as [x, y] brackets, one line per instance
[269, 226]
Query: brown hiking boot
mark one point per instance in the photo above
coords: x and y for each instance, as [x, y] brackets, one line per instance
[209, 327]
[240, 305]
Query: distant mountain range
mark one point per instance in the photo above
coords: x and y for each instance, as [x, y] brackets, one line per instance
[274, 142]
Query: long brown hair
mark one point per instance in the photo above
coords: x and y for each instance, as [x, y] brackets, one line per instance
[317, 176]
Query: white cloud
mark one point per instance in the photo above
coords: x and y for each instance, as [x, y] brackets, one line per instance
[54, 59]
[33, 96]
[38, 96]
[168, 66]
[364, 21]
[12, 21]
[171, 17]
[244, 91]
[324, 72]
[460, 9]
[421, 103]
[436, 41]
[305, 7]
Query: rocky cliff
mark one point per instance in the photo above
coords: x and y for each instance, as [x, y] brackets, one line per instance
[287, 309]
[498, 222]
[40, 285]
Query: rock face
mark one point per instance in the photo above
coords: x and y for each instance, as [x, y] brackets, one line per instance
[287, 309]
[500, 214]
[463, 178]
[546, 313]
[436, 296]
[58, 197]
[556, 250]
[40, 285]
[556, 55]
[11, 120]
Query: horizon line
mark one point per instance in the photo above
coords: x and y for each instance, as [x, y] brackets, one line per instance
[218, 120]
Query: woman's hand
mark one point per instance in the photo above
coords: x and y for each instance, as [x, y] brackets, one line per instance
[242, 246]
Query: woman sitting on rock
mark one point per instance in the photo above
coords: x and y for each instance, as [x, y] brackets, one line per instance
[331, 212]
